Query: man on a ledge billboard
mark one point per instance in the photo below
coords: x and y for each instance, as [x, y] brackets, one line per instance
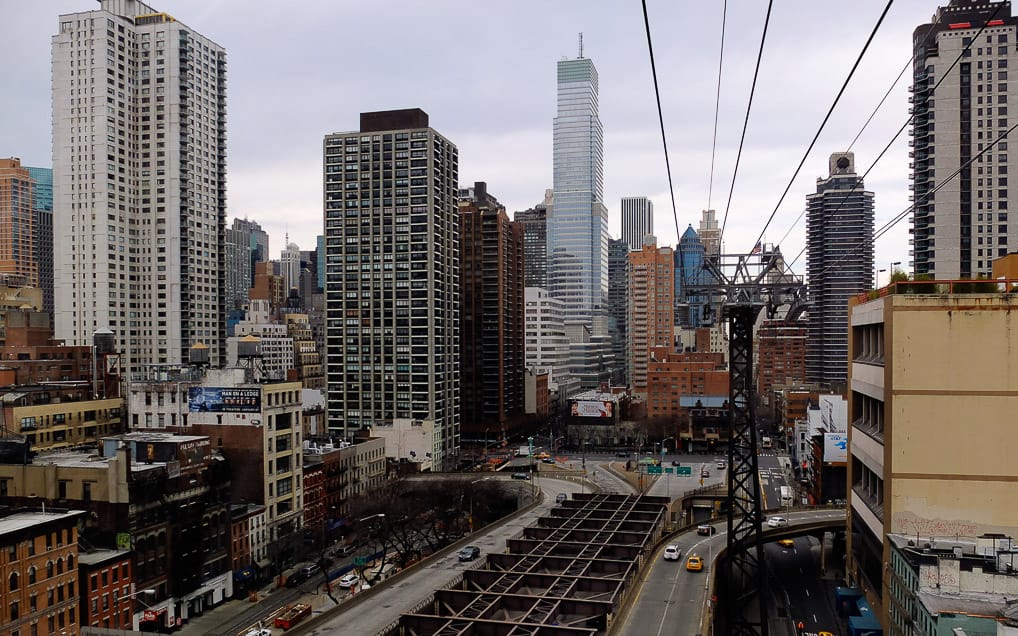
[211, 399]
[592, 409]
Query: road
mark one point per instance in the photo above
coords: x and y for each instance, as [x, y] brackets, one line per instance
[671, 600]
[798, 591]
[386, 605]
[675, 486]
[772, 476]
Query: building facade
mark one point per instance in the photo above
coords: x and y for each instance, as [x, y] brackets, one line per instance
[492, 309]
[781, 354]
[535, 241]
[17, 222]
[618, 306]
[578, 224]
[839, 264]
[238, 276]
[138, 244]
[42, 213]
[39, 585]
[959, 232]
[910, 405]
[710, 233]
[650, 315]
[637, 220]
[107, 581]
[392, 340]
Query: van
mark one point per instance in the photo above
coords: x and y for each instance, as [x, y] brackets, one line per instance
[345, 550]
[302, 574]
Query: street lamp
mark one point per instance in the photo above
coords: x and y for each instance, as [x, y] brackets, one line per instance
[471, 517]
[891, 270]
[876, 283]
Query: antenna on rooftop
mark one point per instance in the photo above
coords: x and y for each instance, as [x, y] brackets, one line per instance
[581, 44]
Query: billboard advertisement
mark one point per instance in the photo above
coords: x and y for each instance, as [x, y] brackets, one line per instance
[212, 399]
[835, 447]
[592, 409]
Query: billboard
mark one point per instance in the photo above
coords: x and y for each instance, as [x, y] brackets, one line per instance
[592, 409]
[211, 399]
[835, 447]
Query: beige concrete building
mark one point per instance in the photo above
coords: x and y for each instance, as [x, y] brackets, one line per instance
[58, 415]
[933, 380]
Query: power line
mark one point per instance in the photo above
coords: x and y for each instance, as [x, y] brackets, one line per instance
[925, 197]
[827, 117]
[745, 123]
[905, 125]
[717, 103]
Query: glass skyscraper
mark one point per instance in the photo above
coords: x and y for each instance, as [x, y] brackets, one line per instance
[578, 222]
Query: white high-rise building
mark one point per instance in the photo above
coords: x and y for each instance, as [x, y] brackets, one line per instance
[547, 345]
[710, 233]
[289, 265]
[139, 182]
[637, 220]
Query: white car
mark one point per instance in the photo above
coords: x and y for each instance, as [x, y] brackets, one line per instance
[777, 522]
[672, 553]
[259, 632]
[349, 581]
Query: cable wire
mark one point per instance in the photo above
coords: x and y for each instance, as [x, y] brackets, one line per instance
[745, 123]
[717, 103]
[827, 117]
[661, 121]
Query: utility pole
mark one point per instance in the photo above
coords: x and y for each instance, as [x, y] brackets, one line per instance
[742, 285]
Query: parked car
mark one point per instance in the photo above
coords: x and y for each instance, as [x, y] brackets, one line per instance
[694, 563]
[672, 553]
[469, 553]
[561, 497]
[706, 529]
[777, 522]
[303, 574]
[349, 581]
[521, 476]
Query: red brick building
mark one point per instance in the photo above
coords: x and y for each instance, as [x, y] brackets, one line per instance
[781, 352]
[106, 580]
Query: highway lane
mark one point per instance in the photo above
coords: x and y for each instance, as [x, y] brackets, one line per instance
[772, 477]
[671, 600]
[386, 605]
[798, 588]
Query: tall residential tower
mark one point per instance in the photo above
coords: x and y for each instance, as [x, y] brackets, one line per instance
[959, 232]
[139, 202]
[392, 282]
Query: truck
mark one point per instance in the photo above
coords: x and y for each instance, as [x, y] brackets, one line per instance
[786, 496]
[765, 442]
[523, 451]
[292, 615]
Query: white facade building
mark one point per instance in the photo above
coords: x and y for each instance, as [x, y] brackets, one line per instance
[139, 182]
[547, 345]
[276, 343]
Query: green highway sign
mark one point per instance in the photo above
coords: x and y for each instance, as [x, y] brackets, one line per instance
[685, 470]
[669, 470]
[360, 561]
[653, 470]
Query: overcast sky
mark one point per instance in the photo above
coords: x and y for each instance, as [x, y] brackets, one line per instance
[485, 73]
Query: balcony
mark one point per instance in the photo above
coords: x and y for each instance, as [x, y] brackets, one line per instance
[875, 506]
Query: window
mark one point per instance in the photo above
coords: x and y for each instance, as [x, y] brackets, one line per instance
[14, 581]
[49, 569]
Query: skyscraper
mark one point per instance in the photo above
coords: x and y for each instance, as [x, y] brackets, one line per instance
[961, 231]
[258, 242]
[637, 220]
[492, 354]
[42, 244]
[689, 271]
[578, 223]
[17, 222]
[710, 233]
[392, 281]
[839, 264]
[139, 204]
[237, 247]
[618, 305]
[535, 241]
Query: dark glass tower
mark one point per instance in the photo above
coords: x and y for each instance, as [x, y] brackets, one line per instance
[839, 264]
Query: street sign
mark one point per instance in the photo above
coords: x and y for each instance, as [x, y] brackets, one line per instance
[669, 470]
[684, 470]
[653, 470]
[360, 561]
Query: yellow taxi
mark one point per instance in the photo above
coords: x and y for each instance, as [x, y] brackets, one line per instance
[694, 563]
[786, 543]
[824, 634]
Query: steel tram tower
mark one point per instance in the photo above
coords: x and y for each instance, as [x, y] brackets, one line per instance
[743, 285]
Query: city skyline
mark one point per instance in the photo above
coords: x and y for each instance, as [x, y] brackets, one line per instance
[274, 173]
